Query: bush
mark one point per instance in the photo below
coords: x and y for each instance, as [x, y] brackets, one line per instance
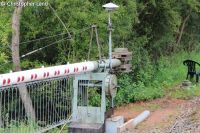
[153, 81]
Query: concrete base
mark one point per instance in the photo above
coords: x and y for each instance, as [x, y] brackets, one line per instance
[85, 128]
[186, 83]
[113, 123]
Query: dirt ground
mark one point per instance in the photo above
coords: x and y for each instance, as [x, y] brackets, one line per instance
[164, 113]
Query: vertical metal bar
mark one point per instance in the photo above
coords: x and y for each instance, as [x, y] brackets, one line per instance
[56, 101]
[51, 97]
[56, 89]
[103, 100]
[47, 102]
[71, 91]
[4, 105]
[67, 98]
[43, 101]
[11, 111]
[40, 103]
[36, 101]
[84, 88]
[32, 95]
[19, 107]
[30, 122]
[75, 86]
[8, 106]
[1, 106]
[70, 96]
[87, 93]
[59, 93]
[79, 93]
[23, 114]
[62, 99]
[82, 93]
[16, 105]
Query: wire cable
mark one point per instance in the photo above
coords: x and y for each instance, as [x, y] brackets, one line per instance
[60, 20]
[47, 37]
[39, 49]
[36, 50]
[38, 39]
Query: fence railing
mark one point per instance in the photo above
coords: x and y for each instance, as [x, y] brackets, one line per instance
[51, 101]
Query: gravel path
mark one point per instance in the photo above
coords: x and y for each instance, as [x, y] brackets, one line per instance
[188, 120]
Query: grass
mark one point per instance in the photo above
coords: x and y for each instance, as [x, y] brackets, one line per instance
[151, 107]
[185, 93]
[19, 127]
[173, 72]
[157, 83]
[30, 128]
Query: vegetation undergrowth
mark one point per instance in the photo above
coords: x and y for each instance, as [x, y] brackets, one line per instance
[22, 127]
[185, 93]
[161, 81]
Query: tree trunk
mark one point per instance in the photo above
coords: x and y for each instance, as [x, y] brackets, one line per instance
[182, 29]
[16, 62]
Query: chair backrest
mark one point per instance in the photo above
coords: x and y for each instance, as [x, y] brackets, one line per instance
[191, 65]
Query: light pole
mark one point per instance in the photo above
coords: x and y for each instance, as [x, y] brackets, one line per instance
[110, 7]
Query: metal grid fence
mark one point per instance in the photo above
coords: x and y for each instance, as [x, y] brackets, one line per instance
[51, 101]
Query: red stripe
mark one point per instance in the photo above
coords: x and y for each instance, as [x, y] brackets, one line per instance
[22, 78]
[47, 74]
[44, 75]
[18, 79]
[8, 81]
[32, 76]
[4, 82]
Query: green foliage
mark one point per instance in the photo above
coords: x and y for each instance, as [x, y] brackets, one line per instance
[130, 91]
[185, 93]
[94, 98]
[150, 29]
[22, 127]
[158, 80]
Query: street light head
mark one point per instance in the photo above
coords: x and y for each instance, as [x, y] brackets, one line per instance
[110, 6]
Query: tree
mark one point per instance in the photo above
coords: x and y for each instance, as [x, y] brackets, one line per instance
[16, 61]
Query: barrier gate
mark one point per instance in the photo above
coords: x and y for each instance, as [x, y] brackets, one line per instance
[72, 93]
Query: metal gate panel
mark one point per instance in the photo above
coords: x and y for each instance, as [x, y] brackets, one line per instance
[51, 100]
